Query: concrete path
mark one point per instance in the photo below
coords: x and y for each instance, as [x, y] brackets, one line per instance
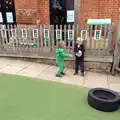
[47, 72]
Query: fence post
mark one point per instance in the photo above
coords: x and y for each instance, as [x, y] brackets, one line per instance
[117, 49]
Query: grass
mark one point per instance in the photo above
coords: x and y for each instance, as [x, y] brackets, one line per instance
[23, 98]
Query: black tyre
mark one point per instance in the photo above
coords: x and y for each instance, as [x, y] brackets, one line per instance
[103, 99]
[119, 98]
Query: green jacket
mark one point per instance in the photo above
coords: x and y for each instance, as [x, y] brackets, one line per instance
[61, 55]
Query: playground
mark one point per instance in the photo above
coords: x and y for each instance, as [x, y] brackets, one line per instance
[29, 35]
[33, 91]
[26, 98]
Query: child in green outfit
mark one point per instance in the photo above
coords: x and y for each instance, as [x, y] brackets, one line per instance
[60, 58]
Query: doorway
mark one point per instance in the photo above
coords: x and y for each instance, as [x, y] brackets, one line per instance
[58, 15]
[7, 15]
[58, 11]
[7, 10]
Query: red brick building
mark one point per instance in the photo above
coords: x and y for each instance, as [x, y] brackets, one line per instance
[27, 11]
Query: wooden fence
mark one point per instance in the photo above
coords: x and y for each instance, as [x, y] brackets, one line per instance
[31, 39]
[116, 55]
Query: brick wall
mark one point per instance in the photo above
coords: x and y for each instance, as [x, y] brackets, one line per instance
[43, 11]
[26, 11]
[110, 9]
[88, 9]
[99, 9]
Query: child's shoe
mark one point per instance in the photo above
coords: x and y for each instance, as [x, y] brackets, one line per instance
[59, 75]
[75, 73]
[62, 73]
[82, 74]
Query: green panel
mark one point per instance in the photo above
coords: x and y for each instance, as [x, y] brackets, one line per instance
[99, 21]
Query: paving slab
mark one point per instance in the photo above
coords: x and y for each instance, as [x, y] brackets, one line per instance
[29, 73]
[96, 80]
[49, 74]
[38, 67]
[21, 64]
[72, 79]
[10, 69]
[113, 79]
[4, 62]
[115, 87]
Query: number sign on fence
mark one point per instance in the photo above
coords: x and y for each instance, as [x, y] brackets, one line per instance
[24, 33]
[35, 33]
[14, 33]
[84, 34]
[3, 33]
[70, 34]
[58, 34]
[46, 34]
[97, 35]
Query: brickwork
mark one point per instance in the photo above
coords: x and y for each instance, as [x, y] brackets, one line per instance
[88, 9]
[27, 11]
[99, 9]
[110, 9]
[43, 11]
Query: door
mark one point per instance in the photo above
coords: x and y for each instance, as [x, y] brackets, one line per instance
[7, 8]
[57, 12]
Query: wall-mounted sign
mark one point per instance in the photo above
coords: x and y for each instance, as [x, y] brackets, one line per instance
[9, 16]
[84, 34]
[35, 33]
[1, 18]
[70, 16]
[3, 33]
[97, 34]
[46, 34]
[14, 33]
[58, 34]
[70, 34]
[24, 33]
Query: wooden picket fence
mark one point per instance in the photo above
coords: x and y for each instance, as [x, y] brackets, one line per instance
[32, 39]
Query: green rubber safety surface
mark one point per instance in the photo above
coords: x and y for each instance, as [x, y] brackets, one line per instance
[23, 98]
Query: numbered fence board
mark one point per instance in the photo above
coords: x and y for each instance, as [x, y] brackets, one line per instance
[24, 33]
[46, 34]
[58, 34]
[3, 33]
[14, 33]
[97, 34]
[70, 34]
[35, 33]
[84, 34]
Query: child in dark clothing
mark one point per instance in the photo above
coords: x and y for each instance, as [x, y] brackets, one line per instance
[79, 51]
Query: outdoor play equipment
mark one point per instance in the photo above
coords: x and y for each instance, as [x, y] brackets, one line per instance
[3, 33]
[84, 34]
[70, 34]
[103, 99]
[99, 22]
[27, 43]
[58, 34]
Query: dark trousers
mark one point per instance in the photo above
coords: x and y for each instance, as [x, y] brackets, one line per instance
[79, 63]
